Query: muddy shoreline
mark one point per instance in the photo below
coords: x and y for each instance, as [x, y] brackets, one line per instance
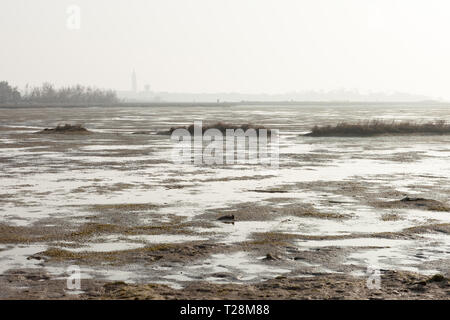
[34, 284]
[139, 226]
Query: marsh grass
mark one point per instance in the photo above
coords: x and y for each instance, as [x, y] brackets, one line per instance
[380, 127]
[57, 254]
[221, 126]
[125, 207]
[66, 128]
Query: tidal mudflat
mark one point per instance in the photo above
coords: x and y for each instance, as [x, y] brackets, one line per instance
[140, 226]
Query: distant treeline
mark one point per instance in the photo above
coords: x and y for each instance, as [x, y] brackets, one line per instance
[47, 93]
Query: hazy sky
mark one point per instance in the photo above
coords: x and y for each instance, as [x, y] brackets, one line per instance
[251, 46]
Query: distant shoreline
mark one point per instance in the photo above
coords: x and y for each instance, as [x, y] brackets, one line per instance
[223, 104]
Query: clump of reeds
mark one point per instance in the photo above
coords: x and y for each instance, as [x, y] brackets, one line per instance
[380, 127]
[221, 126]
[66, 128]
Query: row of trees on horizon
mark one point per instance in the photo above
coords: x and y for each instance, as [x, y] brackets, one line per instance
[47, 93]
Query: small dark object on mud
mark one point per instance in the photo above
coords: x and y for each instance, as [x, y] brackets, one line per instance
[437, 278]
[227, 218]
[380, 127]
[141, 132]
[271, 257]
[405, 199]
[269, 191]
[411, 202]
[67, 128]
[221, 126]
[299, 258]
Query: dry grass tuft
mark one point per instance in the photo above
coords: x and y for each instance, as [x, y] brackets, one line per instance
[380, 127]
[221, 126]
[66, 128]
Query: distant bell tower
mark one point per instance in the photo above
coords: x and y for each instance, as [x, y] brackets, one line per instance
[133, 82]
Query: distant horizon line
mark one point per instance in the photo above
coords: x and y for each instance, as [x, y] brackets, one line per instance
[212, 104]
[360, 93]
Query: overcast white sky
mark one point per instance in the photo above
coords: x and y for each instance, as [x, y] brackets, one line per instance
[251, 46]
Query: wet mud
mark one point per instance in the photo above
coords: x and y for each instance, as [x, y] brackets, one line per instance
[142, 227]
